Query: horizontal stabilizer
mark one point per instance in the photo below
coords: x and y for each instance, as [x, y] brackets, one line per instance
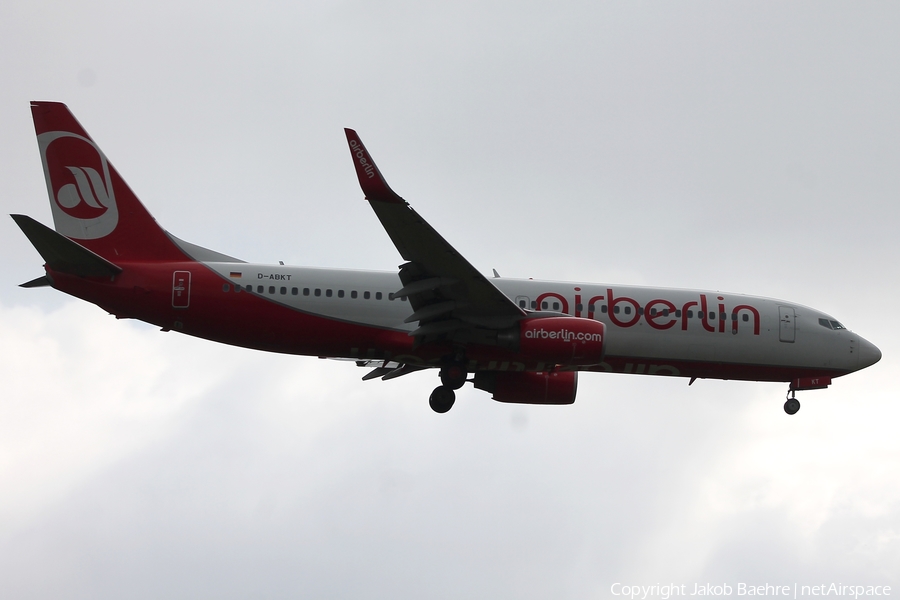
[62, 254]
[42, 281]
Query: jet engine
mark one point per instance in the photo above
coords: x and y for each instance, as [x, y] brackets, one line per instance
[547, 387]
[561, 340]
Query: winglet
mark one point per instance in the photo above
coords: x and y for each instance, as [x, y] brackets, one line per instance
[370, 179]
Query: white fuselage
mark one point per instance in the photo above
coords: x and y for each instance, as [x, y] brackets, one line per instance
[658, 326]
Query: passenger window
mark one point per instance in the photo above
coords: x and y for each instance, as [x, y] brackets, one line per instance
[712, 316]
[592, 307]
[603, 309]
[294, 291]
[226, 287]
[328, 293]
[283, 291]
[353, 294]
[556, 306]
[616, 310]
[534, 304]
[746, 317]
[627, 310]
[318, 292]
[367, 295]
[378, 295]
[340, 293]
[260, 289]
[249, 288]
[690, 314]
[723, 316]
[522, 304]
[579, 307]
[544, 305]
[306, 291]
[652, 312]
[665, 312]
[271, 289]
[678, 313]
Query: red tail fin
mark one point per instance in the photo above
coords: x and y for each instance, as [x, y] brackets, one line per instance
[91, 203]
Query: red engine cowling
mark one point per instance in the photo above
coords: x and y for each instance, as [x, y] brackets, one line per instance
[527, 387]
[563, 340]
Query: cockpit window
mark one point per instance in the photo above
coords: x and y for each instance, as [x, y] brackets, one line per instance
[830, 324]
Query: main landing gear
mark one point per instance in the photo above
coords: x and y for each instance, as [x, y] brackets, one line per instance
[792, 405]
[442, 398]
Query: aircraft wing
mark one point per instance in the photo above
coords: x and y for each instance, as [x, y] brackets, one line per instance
[449, 297]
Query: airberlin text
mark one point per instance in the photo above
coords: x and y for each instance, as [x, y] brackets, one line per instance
[659, 313]
[360, 154]
[563, 334]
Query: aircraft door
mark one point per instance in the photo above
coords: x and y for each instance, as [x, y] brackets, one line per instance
[786, 324]
[181, 289]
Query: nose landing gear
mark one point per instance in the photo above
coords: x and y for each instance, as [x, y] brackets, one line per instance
[791, 405]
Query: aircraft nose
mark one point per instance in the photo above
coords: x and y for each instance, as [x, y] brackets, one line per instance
[869, 354]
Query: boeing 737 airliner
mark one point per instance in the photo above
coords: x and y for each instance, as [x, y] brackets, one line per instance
[520, 340]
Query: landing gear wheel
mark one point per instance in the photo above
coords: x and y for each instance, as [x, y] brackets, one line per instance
[453, 376]
[792, 405]
[442, 399]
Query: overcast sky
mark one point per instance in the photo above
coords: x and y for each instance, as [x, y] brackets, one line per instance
[743, 146]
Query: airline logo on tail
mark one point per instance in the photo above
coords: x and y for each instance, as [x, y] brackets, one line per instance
[79, 185]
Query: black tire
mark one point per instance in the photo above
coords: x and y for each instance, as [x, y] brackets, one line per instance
[791, 406]
[442, 399]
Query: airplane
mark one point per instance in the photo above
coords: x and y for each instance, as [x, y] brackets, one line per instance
[521, 340]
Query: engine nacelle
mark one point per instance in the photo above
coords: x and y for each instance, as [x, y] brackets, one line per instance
[524, 387]
[563, 340]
